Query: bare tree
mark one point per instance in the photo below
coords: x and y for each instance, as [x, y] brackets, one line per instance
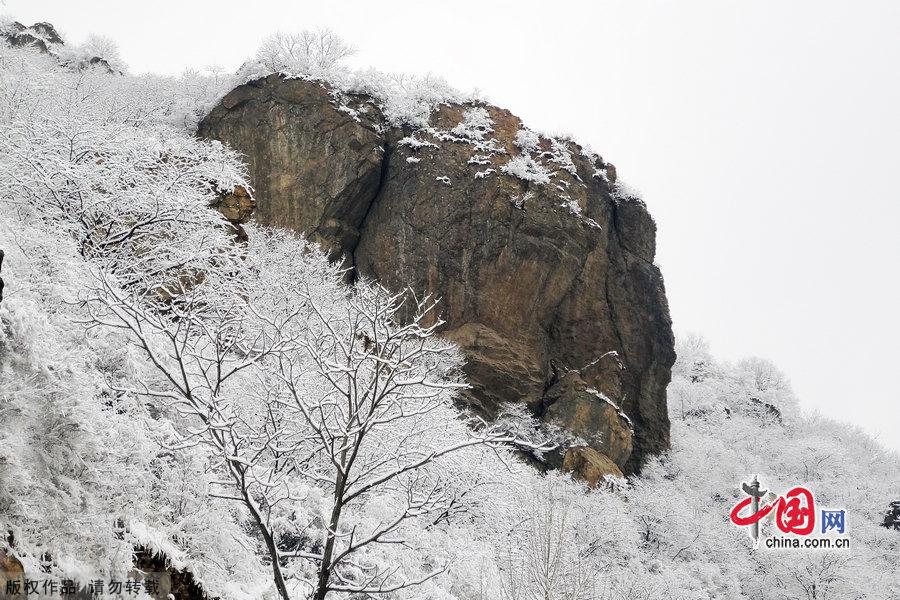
[819, 577]
[308, 53]
[197, 347]
[384, 421]
[542, 562]
[348, 399]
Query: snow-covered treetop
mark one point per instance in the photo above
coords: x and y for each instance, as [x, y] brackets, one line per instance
[320, 55]
[309, 54]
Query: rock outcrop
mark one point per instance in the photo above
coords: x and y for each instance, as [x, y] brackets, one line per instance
[588, 464]
[12, 575]
[892, 516]
[541, 262]
[237, 207]
[44, 38]
[169, 581]
[590, 416]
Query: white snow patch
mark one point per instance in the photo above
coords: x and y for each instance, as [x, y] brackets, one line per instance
[559, 154]
[622, 190]
[519, 201]
[526, 168]
[601, 396]
[350, 111]
[476, 124]
[572, 205]
[527, 140]
[404, 99]
[415, 143]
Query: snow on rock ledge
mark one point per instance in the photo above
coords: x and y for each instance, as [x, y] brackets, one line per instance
[539, 264]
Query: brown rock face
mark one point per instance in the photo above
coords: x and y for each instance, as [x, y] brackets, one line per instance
[541, 266]
[317, 168]
[591, 416]
[12, 575]
[589, 464]
[237, 207]
[170, 582]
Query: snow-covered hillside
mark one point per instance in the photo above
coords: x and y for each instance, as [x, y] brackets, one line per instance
[236, 407]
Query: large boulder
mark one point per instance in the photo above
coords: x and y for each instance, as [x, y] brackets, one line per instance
[589, 465]
[542, 263]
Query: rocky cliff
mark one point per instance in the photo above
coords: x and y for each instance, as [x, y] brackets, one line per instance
[44, 38]
[544, 267]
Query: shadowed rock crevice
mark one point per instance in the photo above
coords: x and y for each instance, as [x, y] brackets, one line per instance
[536, 264]
[360, 227]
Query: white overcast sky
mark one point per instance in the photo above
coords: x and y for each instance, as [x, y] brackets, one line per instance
[764, 135]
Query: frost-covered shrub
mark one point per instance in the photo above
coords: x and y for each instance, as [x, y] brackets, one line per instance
[572, 206]
[404, 99]
[88, 474]
[527, 140]
[559, 154]
[320, 55]
[129, 190]
[725, 430]
[476, 124]
[7, 24]
[526, 168]
[96, 50]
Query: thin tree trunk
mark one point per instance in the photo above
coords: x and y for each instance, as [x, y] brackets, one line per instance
[267, 537]
[325, 567]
